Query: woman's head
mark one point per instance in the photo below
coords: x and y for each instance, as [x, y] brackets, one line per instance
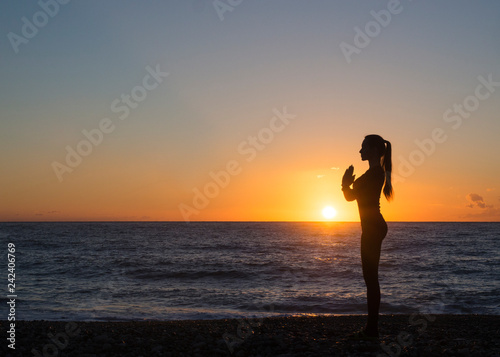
[375, 147]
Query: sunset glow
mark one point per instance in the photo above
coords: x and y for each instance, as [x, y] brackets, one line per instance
[175, 112]
[329, 212]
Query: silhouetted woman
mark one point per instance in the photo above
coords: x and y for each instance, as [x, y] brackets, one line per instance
[366, 190]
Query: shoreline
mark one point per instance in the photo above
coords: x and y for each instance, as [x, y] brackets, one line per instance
[400, 335]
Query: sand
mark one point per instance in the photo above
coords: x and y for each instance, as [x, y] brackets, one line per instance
[401, 335]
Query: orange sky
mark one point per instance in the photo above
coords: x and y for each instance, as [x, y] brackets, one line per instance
[156, 99]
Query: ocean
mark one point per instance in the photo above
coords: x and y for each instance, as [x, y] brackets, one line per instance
[92, 271]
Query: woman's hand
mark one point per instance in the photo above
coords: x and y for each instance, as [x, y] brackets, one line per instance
[348, 177]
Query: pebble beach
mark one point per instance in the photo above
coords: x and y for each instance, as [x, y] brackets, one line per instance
[400, 335]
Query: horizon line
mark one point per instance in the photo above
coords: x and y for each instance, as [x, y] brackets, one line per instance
[231, 221]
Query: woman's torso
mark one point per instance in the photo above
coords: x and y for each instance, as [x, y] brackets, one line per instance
[368, 188]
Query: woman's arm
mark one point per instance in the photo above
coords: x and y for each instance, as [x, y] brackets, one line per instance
[347, 181]
[348, 193]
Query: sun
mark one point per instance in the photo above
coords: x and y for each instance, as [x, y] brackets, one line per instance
[329, 212]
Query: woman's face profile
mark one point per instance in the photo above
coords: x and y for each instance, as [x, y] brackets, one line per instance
[365, 151]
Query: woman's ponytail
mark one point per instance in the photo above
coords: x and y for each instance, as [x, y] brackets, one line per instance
[387, 165]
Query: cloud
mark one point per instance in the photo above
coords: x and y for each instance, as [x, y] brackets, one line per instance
[488, 214]
[41, 214]
[485, 213]
[476, 201]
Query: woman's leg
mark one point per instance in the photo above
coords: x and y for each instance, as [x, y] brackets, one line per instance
[371, 243]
